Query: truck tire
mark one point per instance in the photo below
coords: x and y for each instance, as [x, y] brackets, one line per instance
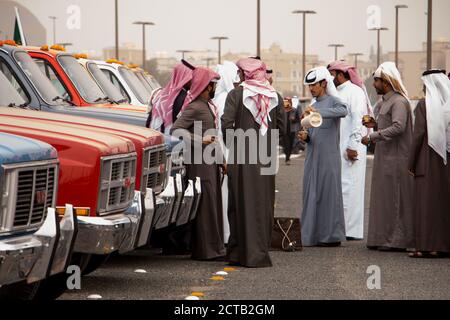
[19, 291]
[95, 262]
[54, 286]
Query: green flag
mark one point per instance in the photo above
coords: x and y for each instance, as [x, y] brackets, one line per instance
[19, 36]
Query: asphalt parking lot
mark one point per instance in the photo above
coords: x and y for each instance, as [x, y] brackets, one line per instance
[314, 273]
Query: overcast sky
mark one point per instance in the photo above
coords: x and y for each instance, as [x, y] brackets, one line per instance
[184, 24]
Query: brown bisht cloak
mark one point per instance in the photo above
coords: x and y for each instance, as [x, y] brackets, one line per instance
[432, 190]
[391, 209]
[251, 195]
[207, 230]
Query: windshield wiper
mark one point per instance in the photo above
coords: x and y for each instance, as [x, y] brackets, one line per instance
[64, 100]
[122, 101]
[105, 99]
[14, 105]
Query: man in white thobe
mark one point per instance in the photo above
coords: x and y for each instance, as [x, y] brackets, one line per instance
[353, 153]
[229, 79]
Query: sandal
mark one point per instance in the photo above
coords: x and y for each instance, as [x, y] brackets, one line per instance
[424, 255]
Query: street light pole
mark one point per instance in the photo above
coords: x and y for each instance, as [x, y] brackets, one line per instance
[117, 29]
[219, 40]
[54, 28]
[144, 24]
[379, 42]
[258, 28]
[397, 8]
[356, 55]
[304, 13]
[183, 52]
[430, 36]
[336, 46]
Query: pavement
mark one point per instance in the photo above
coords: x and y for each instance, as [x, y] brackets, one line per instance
[314, 273]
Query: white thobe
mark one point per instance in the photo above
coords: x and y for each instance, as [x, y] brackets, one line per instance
[219, 101]
[353, 173]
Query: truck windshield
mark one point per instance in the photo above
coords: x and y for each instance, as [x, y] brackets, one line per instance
[136, 85]
[42, 84]
[86, 86]
[147, 86]
[8, 94]
[108, 87]
[152, 81]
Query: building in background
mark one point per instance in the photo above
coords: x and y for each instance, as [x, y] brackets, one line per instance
[413, 63]
[128, 53]
[287, 67]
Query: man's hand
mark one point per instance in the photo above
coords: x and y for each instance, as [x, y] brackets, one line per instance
[412, 174]
[365, 141]
[308, 111]
[224, 168]
[288, 105]
[352, 155]
[303, 135]
[369, 122]
[209, 140]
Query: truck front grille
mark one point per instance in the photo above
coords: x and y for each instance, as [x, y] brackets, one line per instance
[118, 183]
[32, 190]
[154, 171]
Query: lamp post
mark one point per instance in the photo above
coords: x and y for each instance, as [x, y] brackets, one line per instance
[54, 27]
[356, 55]
[183, 53]
[117, 28]
[219, 40]
[304, 13]
[336, 46]
[430, 36]
[379, 42]
[258, 28]
[397, 8]
[143, 24]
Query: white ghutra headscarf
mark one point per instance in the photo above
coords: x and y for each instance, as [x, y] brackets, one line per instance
[389, 72]
[437, 99]
[319, 74]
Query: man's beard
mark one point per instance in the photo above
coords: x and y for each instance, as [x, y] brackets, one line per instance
[379, 91]
[212, 94]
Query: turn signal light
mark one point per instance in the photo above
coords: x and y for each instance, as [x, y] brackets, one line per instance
[85, 212]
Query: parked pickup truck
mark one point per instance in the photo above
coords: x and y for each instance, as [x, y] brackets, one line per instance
[97, 175]
[40, 94]
[34, 243]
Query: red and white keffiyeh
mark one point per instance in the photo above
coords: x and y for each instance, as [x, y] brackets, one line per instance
[260, 98]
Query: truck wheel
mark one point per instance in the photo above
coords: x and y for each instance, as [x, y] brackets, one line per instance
[51, 288]
[19, 291]
[54, 286]
[95, 262]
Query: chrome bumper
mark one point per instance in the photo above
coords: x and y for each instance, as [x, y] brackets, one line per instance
[165, 203]
[67, 234]
[187, 204]
[120, 232]
[29, 257]
[176, 205]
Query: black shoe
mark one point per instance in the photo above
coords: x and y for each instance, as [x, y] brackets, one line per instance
[330, 244]
[353, 239]
[389, 249]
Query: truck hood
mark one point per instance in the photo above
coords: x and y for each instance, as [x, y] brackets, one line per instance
[147, 137]
[15, 149]
[106, 144]
[117, 116]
